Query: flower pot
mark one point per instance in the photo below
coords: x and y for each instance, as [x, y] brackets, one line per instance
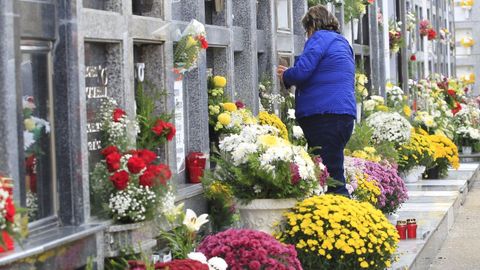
[466, 12]
[466, 150]
[142, 6]
[392, 218]
[140, 236]
[413, 175]
[432, 173]
[263, 214]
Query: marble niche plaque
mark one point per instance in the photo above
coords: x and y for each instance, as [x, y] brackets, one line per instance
[96, 90]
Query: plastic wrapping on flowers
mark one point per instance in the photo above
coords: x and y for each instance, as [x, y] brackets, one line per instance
[334, 232]
[249, 249]
[191, 42]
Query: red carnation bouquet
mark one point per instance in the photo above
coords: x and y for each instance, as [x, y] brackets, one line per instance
[7, 215]
[133, 183]
[127, 183]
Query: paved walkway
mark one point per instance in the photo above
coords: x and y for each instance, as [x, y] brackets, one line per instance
[461, 248]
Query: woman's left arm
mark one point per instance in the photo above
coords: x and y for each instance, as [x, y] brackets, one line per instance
[305, 65]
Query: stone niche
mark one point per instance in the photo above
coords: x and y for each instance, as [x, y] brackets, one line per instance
[103, 79]
[215, 12]
[149, 8]
[149, 63]
[107, 5]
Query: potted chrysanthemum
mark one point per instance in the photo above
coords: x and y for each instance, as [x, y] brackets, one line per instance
[267, 174]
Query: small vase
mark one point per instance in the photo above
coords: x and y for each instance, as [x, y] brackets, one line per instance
[263, 214]
[347, 32]
[467, 150]
[467, 13]
[355, 28]
[359, 112]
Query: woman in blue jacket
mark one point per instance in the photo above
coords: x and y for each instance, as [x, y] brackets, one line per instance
[324, 76]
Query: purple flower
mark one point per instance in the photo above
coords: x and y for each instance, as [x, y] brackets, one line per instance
[249, 249]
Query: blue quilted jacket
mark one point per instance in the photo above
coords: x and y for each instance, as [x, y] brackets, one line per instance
[324, 76]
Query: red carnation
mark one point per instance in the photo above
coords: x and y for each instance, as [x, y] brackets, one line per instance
[135, 164]
[117, 114]
[146, 179]
[203, 42]
[432, 34]
[186, 264]
[457, 108]
[159, 127]
[451, 92]
[294, 174]
[108, 150]
[171, 131]
[113, 161]
[413, 58]
[10, 207]
[120, 180]
[147, 155]
[240, 104]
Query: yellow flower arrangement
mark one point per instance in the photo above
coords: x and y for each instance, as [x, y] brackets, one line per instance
[219, 81]
[466, 4]
[445, 152]
[330, 229]
[224, 118]
[361, 92]
[418, 151]
[265, 118]
[368, 189]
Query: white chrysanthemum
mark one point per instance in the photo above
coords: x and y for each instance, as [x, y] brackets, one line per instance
[390, 127]
[297, 132]
[291, 114]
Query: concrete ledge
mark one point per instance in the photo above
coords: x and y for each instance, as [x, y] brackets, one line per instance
[435, 204]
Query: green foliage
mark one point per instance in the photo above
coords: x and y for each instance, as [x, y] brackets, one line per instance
[127, 254]
[312, 3]
[353, 9]
[100, 190]
[361, 138]
[147, 116]
[220, 201]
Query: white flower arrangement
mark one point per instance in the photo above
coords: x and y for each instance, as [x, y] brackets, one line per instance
[116, 131]
[131, 203]
[391, 127]
[374, 101]
[424, 118]
[394, 94]
[214, 263]
[468, 133]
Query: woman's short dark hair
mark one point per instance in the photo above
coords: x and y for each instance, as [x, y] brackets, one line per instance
[319, 18]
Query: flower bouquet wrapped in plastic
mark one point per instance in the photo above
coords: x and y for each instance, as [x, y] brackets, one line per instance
[192, 41]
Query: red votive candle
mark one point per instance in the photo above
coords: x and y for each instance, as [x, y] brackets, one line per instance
[402, 229]
[412, 228]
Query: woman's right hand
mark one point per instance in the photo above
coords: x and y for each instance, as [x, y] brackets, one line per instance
[280, 70]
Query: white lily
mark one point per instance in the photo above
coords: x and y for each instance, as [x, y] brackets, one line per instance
[193, 222]
[215, 263]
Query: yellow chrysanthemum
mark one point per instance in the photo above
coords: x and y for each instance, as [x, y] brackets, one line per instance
[336, 228]
[219, 81]
[229, 106]
[224, 119]
[29, 124]
[269, 140]
[264, 118]
[407, 111]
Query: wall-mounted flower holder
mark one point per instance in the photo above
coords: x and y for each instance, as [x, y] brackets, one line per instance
[467, 43]
[140, 71]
